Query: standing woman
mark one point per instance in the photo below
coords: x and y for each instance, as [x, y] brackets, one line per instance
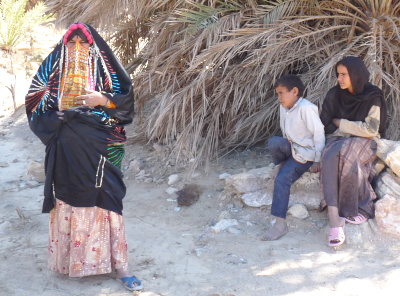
[354, 113]
[78, 104]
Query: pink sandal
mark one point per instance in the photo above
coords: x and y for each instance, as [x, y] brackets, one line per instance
[336, 236]
[359, 219]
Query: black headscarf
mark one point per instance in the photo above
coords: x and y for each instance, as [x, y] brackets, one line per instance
[340, 103]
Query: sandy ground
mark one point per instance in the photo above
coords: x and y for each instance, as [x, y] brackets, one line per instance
[175, 253]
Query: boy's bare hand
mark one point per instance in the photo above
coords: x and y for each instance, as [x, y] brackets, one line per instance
[315, 168]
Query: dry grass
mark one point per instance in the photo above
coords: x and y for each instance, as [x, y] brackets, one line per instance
[208, 67]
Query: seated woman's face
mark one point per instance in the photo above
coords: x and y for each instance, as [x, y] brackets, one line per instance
[344, 78]
[71, 43]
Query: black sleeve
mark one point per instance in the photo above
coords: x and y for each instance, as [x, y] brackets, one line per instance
[328, 112]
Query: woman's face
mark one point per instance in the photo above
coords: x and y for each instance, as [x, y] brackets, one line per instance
[344, 78]
[77, 39]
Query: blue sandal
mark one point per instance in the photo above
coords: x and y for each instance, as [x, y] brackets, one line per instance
[132, 283]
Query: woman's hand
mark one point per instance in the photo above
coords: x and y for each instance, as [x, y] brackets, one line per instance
[336, 122]
[315, 168]
[60, 115]
[92, 99]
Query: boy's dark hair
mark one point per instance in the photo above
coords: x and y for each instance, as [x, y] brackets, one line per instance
[290, 81]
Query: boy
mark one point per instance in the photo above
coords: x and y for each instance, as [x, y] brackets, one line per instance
[297, 151]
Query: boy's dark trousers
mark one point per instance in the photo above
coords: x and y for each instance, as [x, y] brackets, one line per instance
[290, 172]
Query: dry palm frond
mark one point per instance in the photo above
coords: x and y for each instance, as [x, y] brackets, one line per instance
[207, 67]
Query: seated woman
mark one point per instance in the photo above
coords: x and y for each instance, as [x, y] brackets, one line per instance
[354, 113]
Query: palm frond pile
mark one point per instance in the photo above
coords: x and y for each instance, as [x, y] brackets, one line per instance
[207, 68]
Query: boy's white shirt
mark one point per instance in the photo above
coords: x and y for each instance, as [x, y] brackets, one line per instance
[303, 128]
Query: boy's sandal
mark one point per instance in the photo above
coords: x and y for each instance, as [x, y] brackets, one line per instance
[359, 219]
[132, 283]
[336, 236]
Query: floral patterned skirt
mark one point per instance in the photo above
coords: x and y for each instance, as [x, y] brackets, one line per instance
[86, 241]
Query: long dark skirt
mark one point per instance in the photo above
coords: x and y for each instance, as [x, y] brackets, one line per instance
[347, 170]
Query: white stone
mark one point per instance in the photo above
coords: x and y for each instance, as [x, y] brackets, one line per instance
[196, 175]
[171, 190]
[306, 190]
[387, 215]
[387, 209]
[258, 199]
[32, 183]
[135, 165]
[234, 230]
[387, 183]
[141, 173]
[389, 152]
[250, 181]
[223, 176]
[299, 211]
[173, 179]
[224, 224]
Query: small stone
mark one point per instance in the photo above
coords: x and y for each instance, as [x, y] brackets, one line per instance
[224, 176]
[196, 175]
[171, 190]
[136, 165]
[32, 183]
[177, 209]
[199, 251]
[235, 231]
[273, 253]
[298, 211]
[148, 180]
[4, 164]
[173, 179]
[224, 224]
[244, 261]
[141, 173]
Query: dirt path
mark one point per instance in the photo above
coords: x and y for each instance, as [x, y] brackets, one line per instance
[176, 253]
